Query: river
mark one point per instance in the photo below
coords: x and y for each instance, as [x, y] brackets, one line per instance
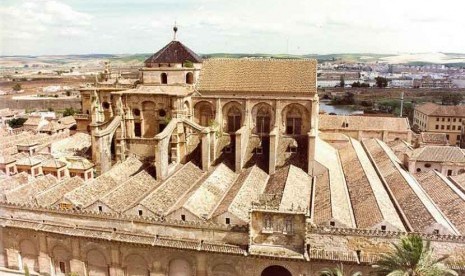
[339, 109]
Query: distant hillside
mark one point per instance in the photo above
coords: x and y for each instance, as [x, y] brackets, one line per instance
[92, 60]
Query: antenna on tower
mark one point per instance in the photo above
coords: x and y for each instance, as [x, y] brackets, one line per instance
[175, 30]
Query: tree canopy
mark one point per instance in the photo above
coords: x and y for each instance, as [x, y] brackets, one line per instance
[451, 98]
[381, 82]
[412, 257]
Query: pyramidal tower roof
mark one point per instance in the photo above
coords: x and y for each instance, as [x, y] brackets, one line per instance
[173, 52]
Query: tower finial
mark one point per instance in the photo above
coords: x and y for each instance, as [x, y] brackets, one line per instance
[175, 29]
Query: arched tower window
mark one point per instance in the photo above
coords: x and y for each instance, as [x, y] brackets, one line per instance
[263, 120]
[294, 122]
[190, 78]
[164, 78]
[234, 119]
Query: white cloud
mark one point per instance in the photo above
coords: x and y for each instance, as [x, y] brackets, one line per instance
[273, 26]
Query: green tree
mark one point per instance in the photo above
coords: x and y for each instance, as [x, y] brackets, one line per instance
[451, 98]
[337, 271]
[381, 82]
[17, 87]
[412, 257]
[69, 111]
[16, 122]
[356, 84]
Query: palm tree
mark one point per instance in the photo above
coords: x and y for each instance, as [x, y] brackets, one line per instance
[412, 257]
[337, 271]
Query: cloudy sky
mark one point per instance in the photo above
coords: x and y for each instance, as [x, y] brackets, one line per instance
[33, 27]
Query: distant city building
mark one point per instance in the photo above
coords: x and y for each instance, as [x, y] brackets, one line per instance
[430, 82]
[437, 118]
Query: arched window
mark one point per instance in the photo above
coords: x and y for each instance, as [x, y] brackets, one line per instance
[189, 78]
[263, 120]
[206, 115]
[234, 119]
[164, 78]
[294, 122]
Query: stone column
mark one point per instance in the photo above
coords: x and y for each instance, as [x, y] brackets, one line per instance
[205, 149]
[76, 264]
[213, 144]
[219, 115]
[201, 265]
[161, 158]
[12, 258]
[115, 266]
[272, 155]
[238, 151]
[45, 267]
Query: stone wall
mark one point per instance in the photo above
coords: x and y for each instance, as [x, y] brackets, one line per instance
[41, 103]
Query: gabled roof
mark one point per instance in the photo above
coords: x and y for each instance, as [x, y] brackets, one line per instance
[173, 52]
[433, 109]
[439, 154]
[258, 75]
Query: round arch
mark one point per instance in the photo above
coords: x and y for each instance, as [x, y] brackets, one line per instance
[136, 265]
[180, 267]
[97, 264]
[263, 118]
[204, 113]
[233, 116]
[29, 254]
[189, 78]
[164, 78]
[61, 257]
[275, 270]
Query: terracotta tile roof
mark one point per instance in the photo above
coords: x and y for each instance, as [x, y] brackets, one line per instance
[25, 193]
[418, 209]
[203, 201]
[439, 154]
[450, 199]
[384, 203]
[173, 52]
[78, 163]
[172, 189]
[328, 156]
[14, 181]
[100, 186]
[53, 194]
[400, 148]
[258, 75]
[128, 193]
[53, 163]
[247, 188]
[67, 121]
[459, 181]
[322, 211]
[433, 109]
[33, 121]
[52, 126]
[342, 122]
[6, 159]
[366, 210]
[433, 138]
[297, 191]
